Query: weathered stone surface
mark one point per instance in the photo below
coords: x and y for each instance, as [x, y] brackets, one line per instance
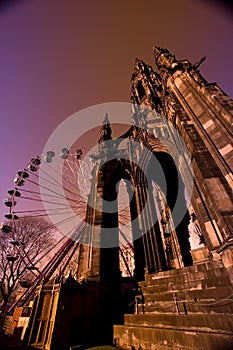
[191, 307]
[153, 338]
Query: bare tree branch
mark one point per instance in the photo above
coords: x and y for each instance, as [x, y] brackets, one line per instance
[33, 236]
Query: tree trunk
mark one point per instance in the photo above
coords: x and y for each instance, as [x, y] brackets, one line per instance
[5, 299]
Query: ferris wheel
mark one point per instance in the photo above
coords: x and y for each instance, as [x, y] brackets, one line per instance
[54, 187]
[36, 195]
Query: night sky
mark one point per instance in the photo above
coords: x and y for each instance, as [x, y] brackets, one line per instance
[60, 56]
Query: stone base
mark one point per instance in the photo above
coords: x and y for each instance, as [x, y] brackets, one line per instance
[200, 254]
[189, 309]
[161, 338]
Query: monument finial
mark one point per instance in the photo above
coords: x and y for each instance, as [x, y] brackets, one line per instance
[106, 130]
[106, 120]
[165, 59]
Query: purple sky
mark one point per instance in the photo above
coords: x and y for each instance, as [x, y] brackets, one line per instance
[60, 56]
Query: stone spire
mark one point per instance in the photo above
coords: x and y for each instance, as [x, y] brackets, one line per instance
[164, 59]
[106, 130]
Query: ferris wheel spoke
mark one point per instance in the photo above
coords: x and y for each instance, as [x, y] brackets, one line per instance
[34, 194]
[54, 182]
[70, 183]
[78, 173]
[126, 239]
[59, 205]
[47, 188]
[58, 193]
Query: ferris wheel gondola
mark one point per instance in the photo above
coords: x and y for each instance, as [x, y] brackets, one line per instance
[6, 228]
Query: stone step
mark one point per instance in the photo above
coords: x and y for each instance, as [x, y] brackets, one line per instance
[211, 294]
[207, 300]
[205, 270]
[187, 307]
[199, 280]
[210, 300]
[170, 338]
[223, 323]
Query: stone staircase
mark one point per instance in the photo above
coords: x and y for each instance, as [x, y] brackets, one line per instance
[190, 308]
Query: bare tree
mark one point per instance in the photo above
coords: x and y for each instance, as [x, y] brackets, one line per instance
[20, 250]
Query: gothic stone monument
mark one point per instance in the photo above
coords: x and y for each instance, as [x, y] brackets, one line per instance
[183, 264]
